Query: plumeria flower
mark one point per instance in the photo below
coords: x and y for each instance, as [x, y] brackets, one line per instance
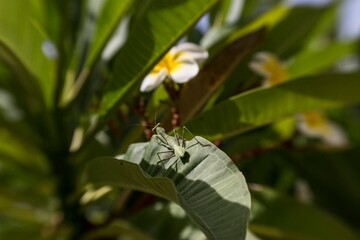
[316, 125]
[180, 64]
[269, 66]
[313, 124]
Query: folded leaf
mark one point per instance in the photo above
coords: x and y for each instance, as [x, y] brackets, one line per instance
[205, 183]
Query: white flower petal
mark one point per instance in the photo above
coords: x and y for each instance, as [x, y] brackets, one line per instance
[187, 46]
[152, 80]
[311, 130]
[258, 65]
[49, 49]
[188, 51]
[184, 71]
[304, 128]
[336, 136]
[265, 56]
[329, 132]
[269, 66]
[117, 40]
[259, 68]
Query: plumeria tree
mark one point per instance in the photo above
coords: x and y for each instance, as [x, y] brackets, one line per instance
[182, 119]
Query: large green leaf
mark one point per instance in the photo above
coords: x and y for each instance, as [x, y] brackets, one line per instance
[161, 26]
[279, 217]
[205, 183]
[25, 45]
[265, 105]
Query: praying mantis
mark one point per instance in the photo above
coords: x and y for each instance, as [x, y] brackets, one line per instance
[176, 146]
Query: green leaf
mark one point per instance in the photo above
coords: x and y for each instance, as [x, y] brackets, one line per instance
[289, 35]
[18, 181]
[341, 189]
[225, 20]
[166, 219]
[205, 183]
[230, 12]
[20, 211]
[110, 171]
[279, 217]
[29, 155]
[119, 228]
[15, 229]
[267, 20]
[313, 61]
[265, 105]
[261, 138]
[159, 29]
[111, 14]
[16, 135]
[22, 43]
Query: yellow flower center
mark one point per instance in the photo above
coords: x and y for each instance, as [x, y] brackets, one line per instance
[168, 62]
[277, 72]
[316, 120]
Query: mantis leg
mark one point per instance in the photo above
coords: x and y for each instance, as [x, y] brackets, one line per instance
[198, 142]
[163, 143]
[183, 138]
[176, 166]
[161, 161]
[177, 137]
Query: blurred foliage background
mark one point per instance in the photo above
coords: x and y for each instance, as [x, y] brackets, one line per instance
[70, 73]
